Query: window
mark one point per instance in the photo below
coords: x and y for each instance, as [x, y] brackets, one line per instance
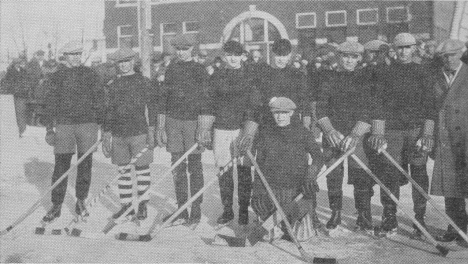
[124, 3]
[125, 36]
[169, 28]
[306, 20]
[367, 16]
[191, 27]
[335, 18]
[397, 14]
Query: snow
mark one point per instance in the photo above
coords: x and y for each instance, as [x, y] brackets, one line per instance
[18, 191]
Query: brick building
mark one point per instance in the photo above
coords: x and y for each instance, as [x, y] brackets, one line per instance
[258, 23]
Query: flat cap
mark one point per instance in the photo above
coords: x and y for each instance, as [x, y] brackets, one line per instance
[281, 47]
[281, 104]
[374, 45]
[233, 47]
[184, 41]
[122, 54]
[450, 46]
[404, 39]
[351, 47]
[71, 47]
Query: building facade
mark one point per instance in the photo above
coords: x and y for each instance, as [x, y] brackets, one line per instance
[257, 24]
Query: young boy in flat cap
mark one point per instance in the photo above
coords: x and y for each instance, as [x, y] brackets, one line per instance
[282, 154]
[126, 131]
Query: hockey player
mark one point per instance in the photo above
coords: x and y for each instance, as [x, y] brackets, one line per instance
[344, 108]
[126, 131]
[232, 102]
[282, 154]
[183, 120]
[406, 124]
[74, 107]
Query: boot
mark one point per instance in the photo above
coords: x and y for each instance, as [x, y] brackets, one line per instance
[243, 216]
[142, 213]
[417, 234]
[363, 206]
[80, 208]
[122, 211]
[181, 219]
[364, 221]
[335, 219]
[286, 236]
[389, 223]
[335, 205]
[53, 213]
[226, 217]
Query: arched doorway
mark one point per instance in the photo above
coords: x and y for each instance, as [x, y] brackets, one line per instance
[256, 30]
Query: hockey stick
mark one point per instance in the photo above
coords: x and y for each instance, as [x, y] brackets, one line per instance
[423, 193]
[306, 257]
[96, 198]
[258, 233]
[57, 182]
[443, 251]
[152, 232]
[113, 222]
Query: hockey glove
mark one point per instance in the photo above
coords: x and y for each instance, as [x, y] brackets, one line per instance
[245, 140]
[161, 135]
[50, 137]
[205, 123]
[333, 137]
[426, 142]
[377, 140]
[352, 139]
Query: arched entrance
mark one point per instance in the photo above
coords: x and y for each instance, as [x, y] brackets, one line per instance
[256, 30]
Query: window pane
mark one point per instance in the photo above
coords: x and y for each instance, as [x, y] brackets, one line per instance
[192, 26]
[254, 30]
[273, 33]
[128, 1]
[126, 30]
[336, 19]
[306, 20]
[368, 16]
[169, 28]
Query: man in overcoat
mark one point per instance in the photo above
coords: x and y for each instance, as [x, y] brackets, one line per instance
[450, 177]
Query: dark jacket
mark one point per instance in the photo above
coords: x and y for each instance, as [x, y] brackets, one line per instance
[16, 82]
[233, 98]
[406, 96]
[74, 97]
[345, 98]
[184, 94]
[128, 98]
[282, 155]
[450, 176]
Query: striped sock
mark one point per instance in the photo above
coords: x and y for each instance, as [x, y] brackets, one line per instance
[125, 185]
[143, 180]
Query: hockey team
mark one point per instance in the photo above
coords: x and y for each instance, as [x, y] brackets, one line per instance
[295, 120]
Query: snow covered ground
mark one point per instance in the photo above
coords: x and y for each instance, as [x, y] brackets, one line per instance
[178, 244]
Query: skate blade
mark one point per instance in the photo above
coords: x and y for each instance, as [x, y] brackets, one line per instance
[133, 237]
[44, 231]
[221, 226]
[223, 240]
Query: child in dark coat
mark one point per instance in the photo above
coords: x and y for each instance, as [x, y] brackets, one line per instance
[282, 154]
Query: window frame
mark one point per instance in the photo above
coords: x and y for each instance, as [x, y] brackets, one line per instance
[306, 14]
[119, 34]
[162, 28]
[358, 22]
[121, 3]
[184, 27]
[396, 8]
[336, 12]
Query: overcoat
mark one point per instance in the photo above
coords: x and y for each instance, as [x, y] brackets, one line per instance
[450, 177]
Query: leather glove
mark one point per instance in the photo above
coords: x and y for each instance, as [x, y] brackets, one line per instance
[245, 140]
[310, 188]
[107, 144]
[377, 139]
[50, 137]
[353, 139]
[426, 142]
[161, 135]
[150, 137]
[331, 134]
[205, 123]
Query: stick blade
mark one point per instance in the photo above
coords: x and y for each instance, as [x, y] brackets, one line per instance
[39, 231]
[324, 260]
[257, 235]
[230, 241]
[443, 250]
[109, 227]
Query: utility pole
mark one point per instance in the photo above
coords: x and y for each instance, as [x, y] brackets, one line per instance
[146, 46]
